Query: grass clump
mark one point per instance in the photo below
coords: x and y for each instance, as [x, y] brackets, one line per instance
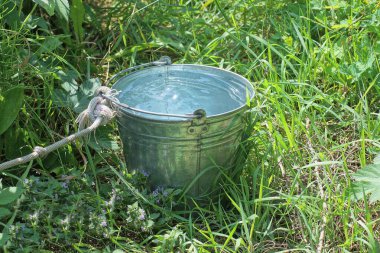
[315, 121]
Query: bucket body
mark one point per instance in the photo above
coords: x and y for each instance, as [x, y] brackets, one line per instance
[183, 124]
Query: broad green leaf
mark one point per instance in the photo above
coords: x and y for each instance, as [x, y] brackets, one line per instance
[10, 194]
[77, 16]
[70, 87]
[60, 98]
[154, 216]
[4, 236]
[81, 99]
[81, 102]
[103, 139]
[50, 44]
[12, 18]
[68, 76]
[62, 7]
[90, 86]
[4, 212]
[367, 182]
[338, 50]
[15, 138]
[10, 104]
[68, 96]
[47, 5]
[69, 84]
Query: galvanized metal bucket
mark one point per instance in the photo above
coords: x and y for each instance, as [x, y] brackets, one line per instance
[181, 123]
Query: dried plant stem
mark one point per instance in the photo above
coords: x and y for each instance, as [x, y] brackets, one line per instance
[321, 192]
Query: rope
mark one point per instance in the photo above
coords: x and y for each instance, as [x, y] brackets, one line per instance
[99, 112]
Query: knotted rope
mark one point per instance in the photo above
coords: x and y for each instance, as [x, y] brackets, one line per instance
[98, 107]
[99, 112]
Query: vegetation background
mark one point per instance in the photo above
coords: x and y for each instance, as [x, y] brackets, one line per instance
[311, 182]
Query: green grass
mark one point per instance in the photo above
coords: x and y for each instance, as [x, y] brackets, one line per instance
[315, 121]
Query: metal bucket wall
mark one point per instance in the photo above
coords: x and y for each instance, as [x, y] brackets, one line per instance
[175, 151]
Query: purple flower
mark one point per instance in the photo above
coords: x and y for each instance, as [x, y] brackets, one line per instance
[144, 172]
[160, 190]
[111, 202]
[157, 191]
[142, 215]
[103, 224]
[65, 185]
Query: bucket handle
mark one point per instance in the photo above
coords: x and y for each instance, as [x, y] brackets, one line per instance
[164, 60]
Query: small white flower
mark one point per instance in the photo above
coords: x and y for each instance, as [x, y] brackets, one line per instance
[65, 221]
[33, 216]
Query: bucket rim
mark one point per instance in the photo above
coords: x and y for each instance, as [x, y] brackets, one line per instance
[132, 113]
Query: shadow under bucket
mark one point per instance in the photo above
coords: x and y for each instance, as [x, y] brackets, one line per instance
[182, 124]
